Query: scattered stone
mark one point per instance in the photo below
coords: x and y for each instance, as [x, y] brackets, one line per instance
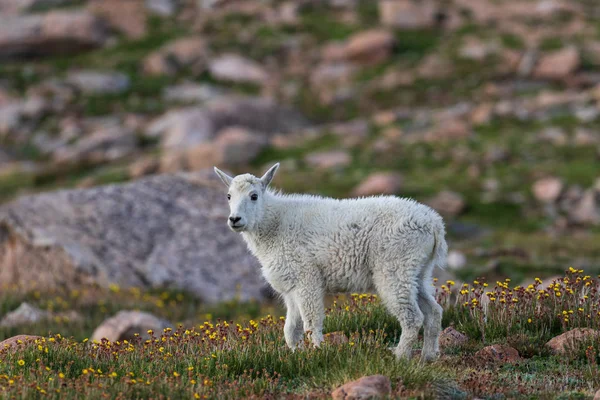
[369, 47]
[192, 93]
[367, 387]
[498, 353]
[187, 53]
[585, 137]
[352, 133]
[450, 129]
[558, 64]
[235, 68]
[379, 183]
[52, 33]
[450, 337]
[572, 339]
[19, 340]
[163, 8]
[183, 128]
[125, 324]
[556, 136]
[164, 231]
[334, 159]
[8, 7]
[448, 203]
[408, 14]
[548, 189]
[475, 49]
[127, 17]
[597, 395]
[482, 114]
[234, 146]
[335, 338]
[26, 314]
[144, 166]
[435, 66]
[587, 210]
[98, 82]
[456, 260]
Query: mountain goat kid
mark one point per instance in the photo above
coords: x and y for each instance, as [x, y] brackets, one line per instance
[309, 246]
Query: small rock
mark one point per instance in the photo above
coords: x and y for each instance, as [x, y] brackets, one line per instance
[367, 387]
[450, 337]
[548, 189]
[143, 167]
[572, 339]
[19, 340]
[558, 64]
[379, 183]
[335, 338]
[587, 210]
[163, 8]
[97, 82]
[126, 17]
[475, 49]
[408, 14]
[435, 66]
[482, 114]
[235, 68]
[124, 324]
[191, 93]
[186, 53]
[553, 135]
[498, 352]
[585, 137]
[448, 203]
[369, 47]
[334, 159]
[597, 395]
[456, 260]
[451, 129]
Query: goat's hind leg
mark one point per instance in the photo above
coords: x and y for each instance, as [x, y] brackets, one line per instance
[432, 312]
[400, 298]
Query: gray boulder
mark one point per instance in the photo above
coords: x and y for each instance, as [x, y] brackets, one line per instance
[166, 231]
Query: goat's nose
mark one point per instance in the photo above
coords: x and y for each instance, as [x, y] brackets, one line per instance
[235, 219]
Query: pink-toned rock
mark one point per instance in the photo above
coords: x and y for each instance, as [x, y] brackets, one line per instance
[451, 337]
[597, 395]
[368, 387]
[408, 14]
[572, 339]
[451, 129]
[482, 114]
[369, 47]
[379, 183]
[558, 64]
[19, 340]
[328, 159]
[548, 189]
[189, 52]
[127, 17]
[498, 352]
[435, 66]
[125, 324]
[586, 211]
[448, 203]
[335, 338]
[235, 68]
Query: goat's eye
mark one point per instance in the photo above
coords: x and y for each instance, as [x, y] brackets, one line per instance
[254, 197]
[228, 197]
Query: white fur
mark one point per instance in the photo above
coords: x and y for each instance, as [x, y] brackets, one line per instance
[309, 246]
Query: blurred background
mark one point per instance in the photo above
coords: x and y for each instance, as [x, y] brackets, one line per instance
[487, 110]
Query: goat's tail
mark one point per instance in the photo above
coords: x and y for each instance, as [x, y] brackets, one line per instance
[440, 248]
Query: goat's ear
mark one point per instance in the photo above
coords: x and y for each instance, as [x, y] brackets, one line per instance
[224, 177]
[268, 176]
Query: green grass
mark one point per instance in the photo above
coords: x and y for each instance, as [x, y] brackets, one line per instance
[210, 355]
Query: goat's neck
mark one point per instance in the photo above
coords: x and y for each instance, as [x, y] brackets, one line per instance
[267, 230]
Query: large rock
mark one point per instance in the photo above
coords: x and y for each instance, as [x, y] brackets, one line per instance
[125, 324]
[166, 231]
[127, 17]
[57, 32]
[183, 128]
[26, 314]
[572, 340]
[367, 387]
[19, 340]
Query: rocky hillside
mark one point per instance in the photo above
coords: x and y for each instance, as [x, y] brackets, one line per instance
[487, 110]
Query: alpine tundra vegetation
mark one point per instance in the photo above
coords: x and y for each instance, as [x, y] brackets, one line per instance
[310, 246]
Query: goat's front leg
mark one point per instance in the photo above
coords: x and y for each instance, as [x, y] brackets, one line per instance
[293, 322]
[309, 299]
